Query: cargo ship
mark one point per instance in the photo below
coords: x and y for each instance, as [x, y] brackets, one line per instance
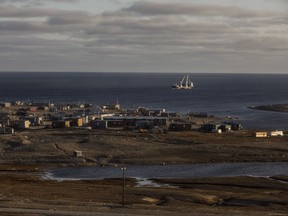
[184, 84]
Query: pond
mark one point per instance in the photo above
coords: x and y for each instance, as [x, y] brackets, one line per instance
[170, 171]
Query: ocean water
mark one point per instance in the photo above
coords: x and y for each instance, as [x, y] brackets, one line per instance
[216, 94]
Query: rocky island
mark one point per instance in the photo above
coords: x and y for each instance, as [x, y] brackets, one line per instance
[272, 107]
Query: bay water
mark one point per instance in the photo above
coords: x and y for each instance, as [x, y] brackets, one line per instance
[216, 94]
[171, 171]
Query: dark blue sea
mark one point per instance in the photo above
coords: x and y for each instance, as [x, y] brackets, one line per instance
[216, 94]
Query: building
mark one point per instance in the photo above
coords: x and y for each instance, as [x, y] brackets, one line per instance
[150, 112]
[34, 120]
[225, 128]
[111, 107]
[170, 114]
[85, 119]
[200, 115]
[23, 124]
[105, 115]
[276, 133]
[6, 130]
[208, 128]
[82, 106]
[133, 121]
[43, 108]
[107, 124]
[77, 153]
[179, 126]
[116, 124]
[5, 122]
[5, 104]
[147, 125]
[32, 109]
[261, 134]
[128, 122]
[61, 124]
[98, 124]
[21, 112]
[234, 126]
[77, 122]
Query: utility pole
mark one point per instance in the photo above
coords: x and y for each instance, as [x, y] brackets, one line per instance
[123, 186]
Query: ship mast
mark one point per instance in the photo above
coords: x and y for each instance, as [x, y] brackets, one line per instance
[181, 83]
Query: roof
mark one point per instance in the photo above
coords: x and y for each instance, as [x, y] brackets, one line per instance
[134, 118]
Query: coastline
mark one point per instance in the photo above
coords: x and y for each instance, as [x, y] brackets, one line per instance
[273, 107]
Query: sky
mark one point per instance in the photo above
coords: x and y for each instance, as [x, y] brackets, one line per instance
[191, 36]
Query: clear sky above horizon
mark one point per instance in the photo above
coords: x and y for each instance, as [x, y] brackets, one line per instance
[221, 36]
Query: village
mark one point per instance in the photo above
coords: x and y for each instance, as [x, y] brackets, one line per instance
[18, 115]
[21, 115]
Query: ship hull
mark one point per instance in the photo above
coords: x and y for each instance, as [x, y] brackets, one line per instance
[183, 87]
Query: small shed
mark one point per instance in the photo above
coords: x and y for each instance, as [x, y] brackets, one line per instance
[261, 134]
[276, 133]
[77, 153]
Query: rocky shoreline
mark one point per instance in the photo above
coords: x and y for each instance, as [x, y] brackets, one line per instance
[272, 107]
